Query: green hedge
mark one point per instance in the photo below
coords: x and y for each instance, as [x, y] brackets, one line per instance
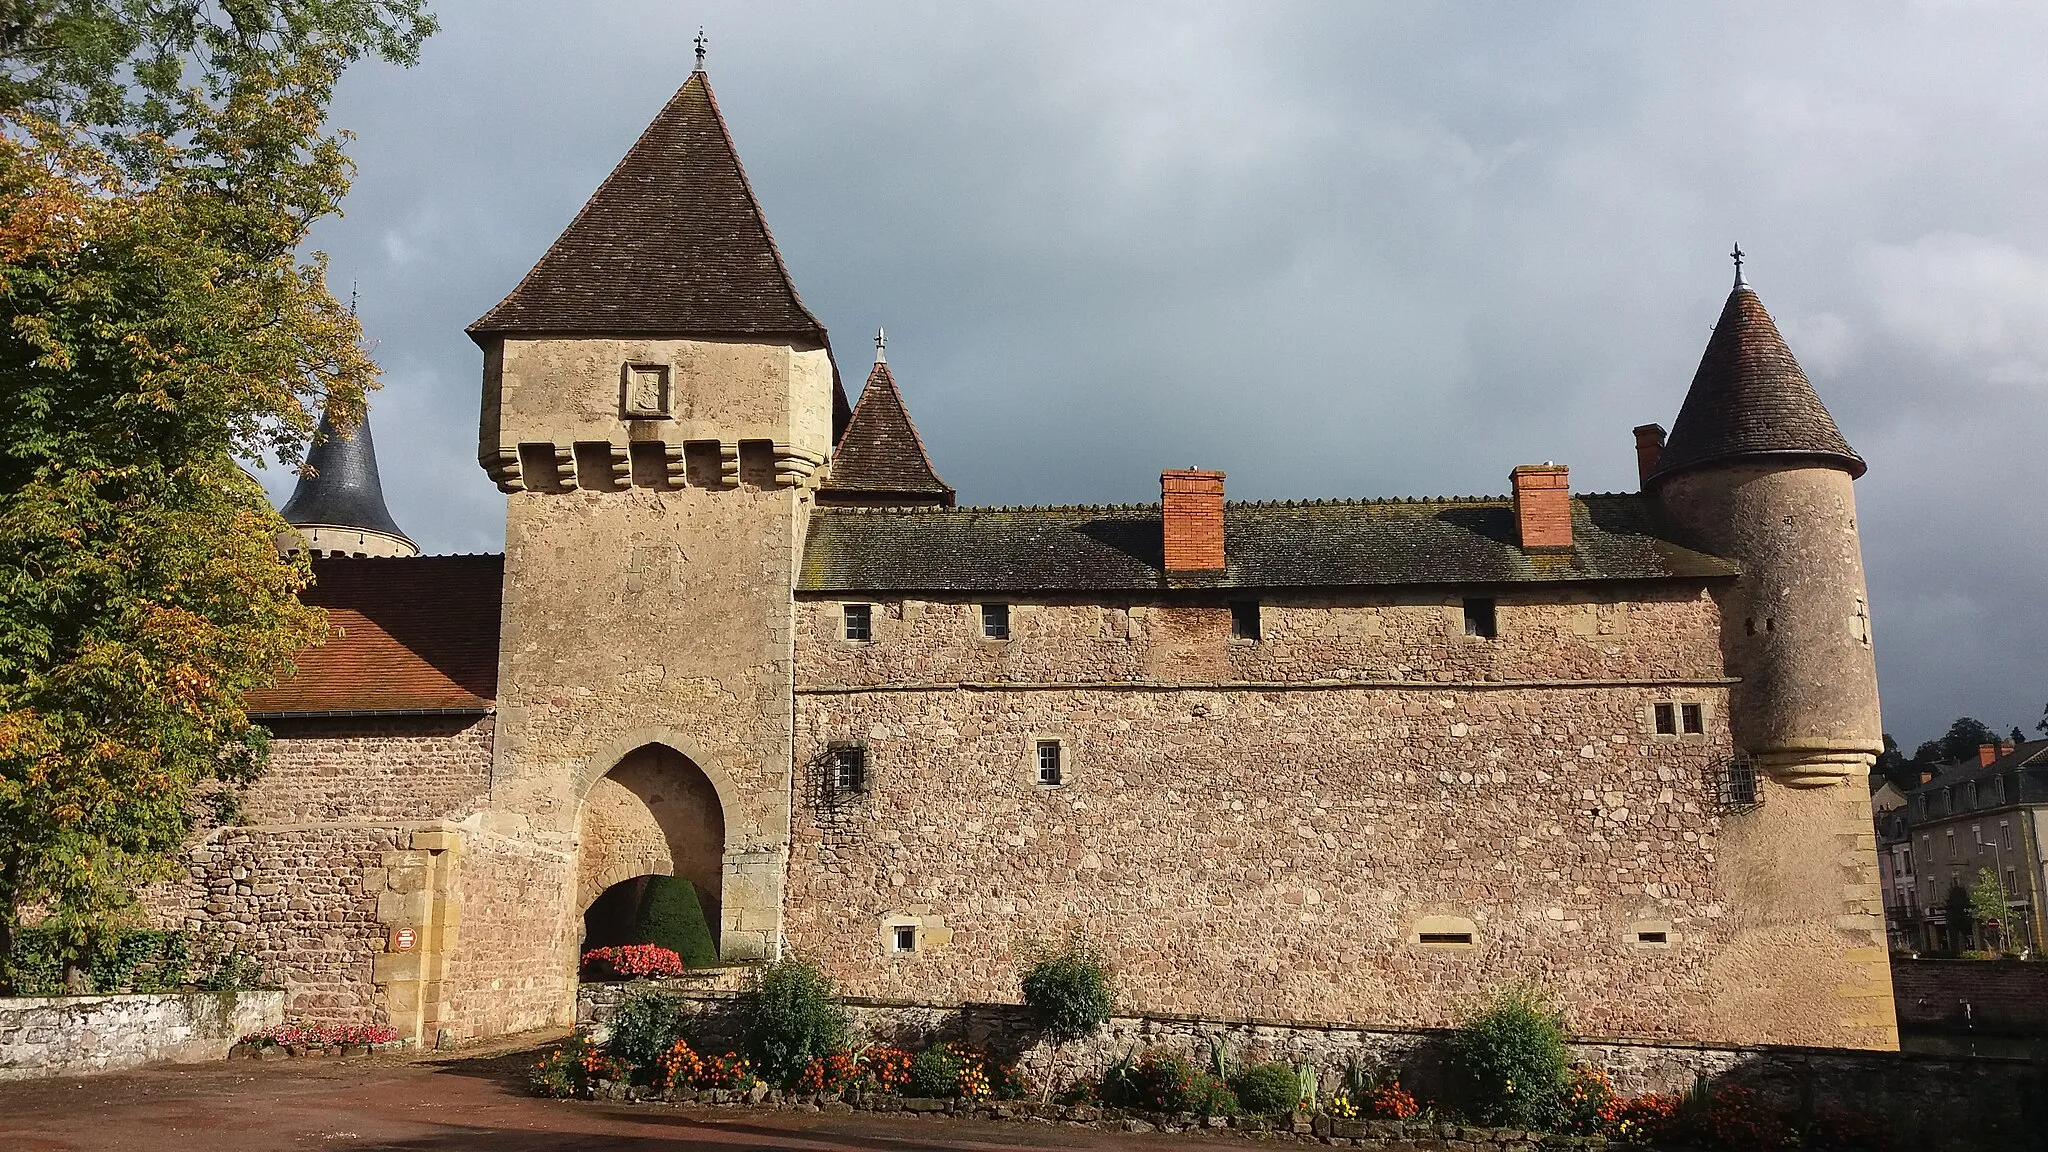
[671, 916]
[137, 960]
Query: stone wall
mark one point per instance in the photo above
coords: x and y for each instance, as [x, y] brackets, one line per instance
[70, 1035]
[1989, 996]
[364, 769]
[1929, 1102]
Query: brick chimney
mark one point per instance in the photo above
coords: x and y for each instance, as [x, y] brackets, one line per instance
[1193, 503]
[1986, 754]
[1543, 506]
[1649, 446]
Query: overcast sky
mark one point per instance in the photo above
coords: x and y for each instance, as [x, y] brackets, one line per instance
[1335, 250]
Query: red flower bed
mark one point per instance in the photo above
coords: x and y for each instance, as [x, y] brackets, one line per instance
[682, 1067]
[871, 1067]
[631, 962]
[322, 1035]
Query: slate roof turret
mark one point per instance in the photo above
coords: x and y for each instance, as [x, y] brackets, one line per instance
[343, 489]
[881, 459]
[672, 243]
[1749, 400]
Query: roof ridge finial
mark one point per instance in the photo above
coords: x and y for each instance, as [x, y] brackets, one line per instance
[1736, 255]
[701, 41]
[351, 298]
[881, 347]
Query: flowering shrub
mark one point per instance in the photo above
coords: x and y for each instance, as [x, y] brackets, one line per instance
[871, 1067]
[1587, 1092]
[571, 1069]
[1159, 1080]
[1647, 1119]
[1730, 1116]
[682, 1067]
[1390, 1101]
[322, 1035]
[1082, 1091]
[631, 962]
[950, 1071]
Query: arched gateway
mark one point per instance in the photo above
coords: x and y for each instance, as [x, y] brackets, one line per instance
[653, 814]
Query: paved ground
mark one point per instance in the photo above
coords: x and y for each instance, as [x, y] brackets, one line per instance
[438, 1105]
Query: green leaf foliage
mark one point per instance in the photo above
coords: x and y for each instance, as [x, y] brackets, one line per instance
[1069, 992]
[1268, 1088]
[644, 1026]
[1512, 1055]
[672, 917]
[793, 1019]
[160, 166]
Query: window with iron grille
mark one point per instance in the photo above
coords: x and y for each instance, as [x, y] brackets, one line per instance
[995, 621]
[1734, 785]
[847, 768]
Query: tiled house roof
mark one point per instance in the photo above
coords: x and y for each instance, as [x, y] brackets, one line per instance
[408, 634]
[673, 242]
[881, 457]
[1750, 399]
[1468, 542]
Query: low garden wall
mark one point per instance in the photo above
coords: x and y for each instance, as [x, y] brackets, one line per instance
[1978, 1102]
[70, 1035]
[2009, 997]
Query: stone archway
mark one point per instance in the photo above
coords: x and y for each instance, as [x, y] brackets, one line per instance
[654, 813]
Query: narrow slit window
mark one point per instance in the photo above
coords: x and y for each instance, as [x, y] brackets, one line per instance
[1244, 619]
[1445, 937]
[1481, 620]
[995, 621]
[1050, 770]
[1693, 718]
[1667, 720]
[859, 617]
[903, 938]
[849, 768]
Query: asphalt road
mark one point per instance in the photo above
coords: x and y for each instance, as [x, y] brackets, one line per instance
[478, 1101]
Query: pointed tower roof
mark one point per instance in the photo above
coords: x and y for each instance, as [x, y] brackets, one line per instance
[343, 490]
[673, 242]
[1749, 399]
[881, 460]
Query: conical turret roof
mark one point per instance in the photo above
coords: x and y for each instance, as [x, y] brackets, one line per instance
[1750, 399]
[881, 458]
[343, 490]
[672, 243]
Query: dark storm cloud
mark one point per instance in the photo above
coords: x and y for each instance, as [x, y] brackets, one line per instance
[1334, 250]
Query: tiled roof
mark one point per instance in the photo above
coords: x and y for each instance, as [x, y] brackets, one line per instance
[409, 634]
[2031, 755]
[881, 453]
[672, 243]
[1293, 545]
[1750, 399]
[344, 490]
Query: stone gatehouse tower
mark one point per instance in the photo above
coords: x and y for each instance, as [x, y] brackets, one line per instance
[1318, 761]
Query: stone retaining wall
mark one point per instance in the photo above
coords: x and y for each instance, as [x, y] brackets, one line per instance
[2007, 997]
[70, 1035]
[1979, 1102]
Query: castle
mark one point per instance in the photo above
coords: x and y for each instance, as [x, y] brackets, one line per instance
[1344, 760]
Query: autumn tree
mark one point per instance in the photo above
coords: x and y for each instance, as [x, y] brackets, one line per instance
[161, 162]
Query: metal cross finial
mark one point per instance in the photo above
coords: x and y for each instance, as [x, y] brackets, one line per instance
[1737, 255]
[881, 347]
[351, 297]
[700, 42]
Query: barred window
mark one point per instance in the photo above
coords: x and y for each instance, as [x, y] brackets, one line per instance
[847, 768]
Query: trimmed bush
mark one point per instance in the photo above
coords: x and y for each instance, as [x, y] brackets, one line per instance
[1210, 1096]
[1512, 1057]
[1069, 993]
[645, 1027]
[672, 917]
[1265, 1089]
[793, 1019]
[935, 1072]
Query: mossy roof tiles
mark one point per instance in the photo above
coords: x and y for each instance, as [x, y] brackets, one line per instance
[1332, 544]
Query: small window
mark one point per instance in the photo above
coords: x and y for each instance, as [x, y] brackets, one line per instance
[1480, 618]
[1694, 717]
[858, 619]
[1653, 937]
[2004, 836]
[1667, 720]
[903, 938]
[849, 768]
[1049, 762]
[1444, 938]
[1952, 857]
[1244, 619]
[995, 621]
